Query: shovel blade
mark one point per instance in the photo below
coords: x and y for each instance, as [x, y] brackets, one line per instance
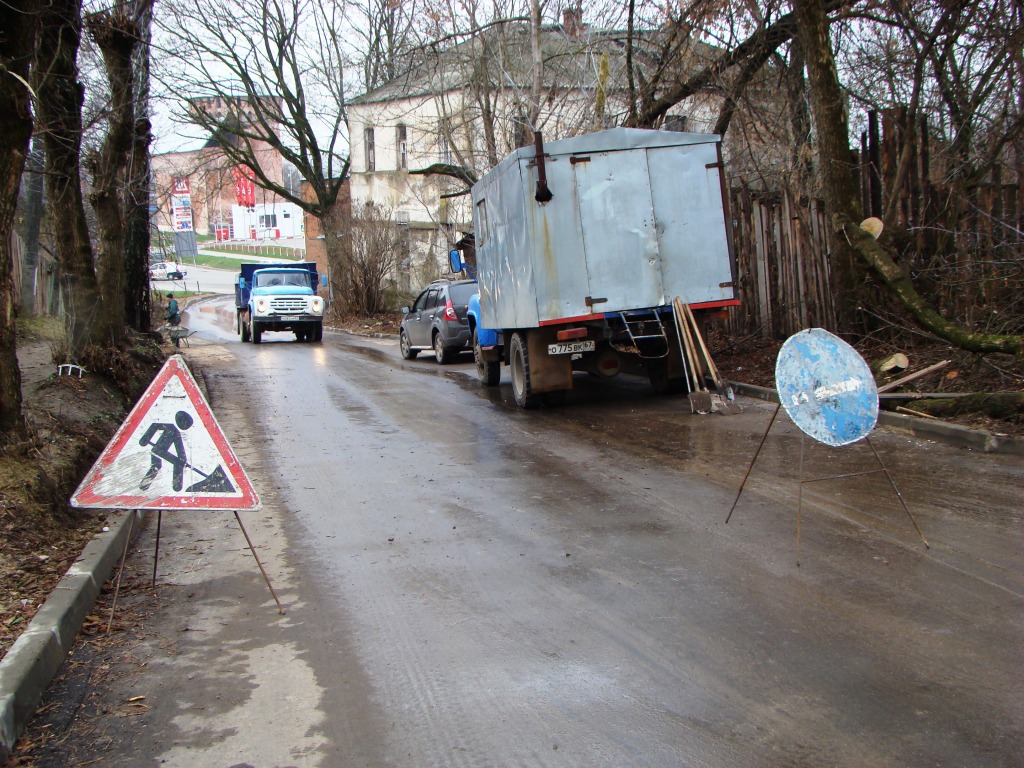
[725, 407]
[700, 402]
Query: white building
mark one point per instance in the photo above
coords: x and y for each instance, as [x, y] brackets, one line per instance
[467, 109]
[270, 221]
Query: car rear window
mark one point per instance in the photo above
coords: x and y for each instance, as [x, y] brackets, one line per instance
[461, 292]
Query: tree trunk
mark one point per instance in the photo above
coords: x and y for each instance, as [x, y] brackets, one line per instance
[997, 405]
[136, 256]
[16, 45]
[835, 160]
[60, 116]
[338, 258]
[117, 36]
[32, 205]
[136, 251]
[842, 199]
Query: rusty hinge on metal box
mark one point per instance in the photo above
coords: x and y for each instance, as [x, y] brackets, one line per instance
[591, 301]
[718, 165]
[584, 159]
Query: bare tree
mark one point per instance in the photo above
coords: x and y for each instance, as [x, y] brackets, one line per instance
[61, 94]
[118, 33]
[375, 246]
[16, 47]
[828, 102]
[267, 85]
[385, 28]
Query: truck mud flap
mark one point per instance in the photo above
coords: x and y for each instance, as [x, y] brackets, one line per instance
[548, 373]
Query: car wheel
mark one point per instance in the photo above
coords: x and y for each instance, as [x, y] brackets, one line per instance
[443, 355]
[255, 331]
[522, 388]
[489, 372]
[403, 344]
[301, 336]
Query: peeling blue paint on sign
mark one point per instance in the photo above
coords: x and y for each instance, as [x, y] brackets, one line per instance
[826, 387]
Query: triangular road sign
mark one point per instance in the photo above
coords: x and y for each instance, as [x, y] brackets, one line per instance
[169, 453]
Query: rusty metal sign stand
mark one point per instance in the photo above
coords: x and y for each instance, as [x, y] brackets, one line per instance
[156, 558]
[248, 541]
[829, 392]
[802, 482]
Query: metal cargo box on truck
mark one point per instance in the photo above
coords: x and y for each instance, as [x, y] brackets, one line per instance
[636, 218]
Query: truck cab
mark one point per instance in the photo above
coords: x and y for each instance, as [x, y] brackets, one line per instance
[278, 297]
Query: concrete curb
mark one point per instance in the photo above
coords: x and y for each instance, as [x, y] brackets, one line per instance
[953, 434]
[35, 657]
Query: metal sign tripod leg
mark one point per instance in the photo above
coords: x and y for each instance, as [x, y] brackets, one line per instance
[120, 570]
[280, 608]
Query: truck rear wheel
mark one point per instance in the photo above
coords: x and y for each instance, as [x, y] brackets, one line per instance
[488, 371]
[243, 326]
[256, 331]
[519, 361]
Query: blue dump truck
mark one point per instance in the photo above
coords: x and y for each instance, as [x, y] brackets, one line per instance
[278, 297]
[581, 247]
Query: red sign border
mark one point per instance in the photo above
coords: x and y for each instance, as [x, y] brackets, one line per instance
[85, 497]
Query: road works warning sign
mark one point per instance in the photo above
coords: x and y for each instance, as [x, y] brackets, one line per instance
[170, 453]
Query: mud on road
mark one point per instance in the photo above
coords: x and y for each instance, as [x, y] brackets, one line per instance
[469, 584]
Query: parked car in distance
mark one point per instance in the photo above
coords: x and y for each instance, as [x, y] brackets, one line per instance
[438, 320]
[166, 270]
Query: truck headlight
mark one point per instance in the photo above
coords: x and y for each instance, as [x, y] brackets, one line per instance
[317, 306]
[262, 306]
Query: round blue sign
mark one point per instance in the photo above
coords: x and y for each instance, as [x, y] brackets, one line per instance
[826, 387]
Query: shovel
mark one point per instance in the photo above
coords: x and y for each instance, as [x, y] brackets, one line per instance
[700, 398]
[725, 402]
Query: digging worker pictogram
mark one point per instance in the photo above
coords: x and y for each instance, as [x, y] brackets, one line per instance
[168, 446]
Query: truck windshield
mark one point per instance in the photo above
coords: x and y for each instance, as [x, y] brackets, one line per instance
[268, 279]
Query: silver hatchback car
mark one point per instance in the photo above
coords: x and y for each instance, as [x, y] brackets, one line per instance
[438, 320]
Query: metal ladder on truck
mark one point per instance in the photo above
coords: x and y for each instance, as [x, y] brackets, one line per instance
[646, 332]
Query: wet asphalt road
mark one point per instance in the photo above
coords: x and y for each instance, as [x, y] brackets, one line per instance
[472, 585]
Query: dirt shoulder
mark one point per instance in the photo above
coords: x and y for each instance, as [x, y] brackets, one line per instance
[71, 418]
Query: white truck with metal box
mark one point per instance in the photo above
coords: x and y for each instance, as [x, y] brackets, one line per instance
[581, 246]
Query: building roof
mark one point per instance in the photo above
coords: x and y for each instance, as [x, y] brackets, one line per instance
[570, 61]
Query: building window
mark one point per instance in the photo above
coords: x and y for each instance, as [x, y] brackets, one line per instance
[443, 147]
[371, 152]
[402, 145]
[268, 221]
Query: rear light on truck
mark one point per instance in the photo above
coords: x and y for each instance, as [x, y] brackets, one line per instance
[571, 333]
[449, 311]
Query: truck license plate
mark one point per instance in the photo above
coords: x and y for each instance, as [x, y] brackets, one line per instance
[571, 347]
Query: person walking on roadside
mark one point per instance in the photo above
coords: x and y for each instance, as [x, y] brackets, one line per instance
[173, 316]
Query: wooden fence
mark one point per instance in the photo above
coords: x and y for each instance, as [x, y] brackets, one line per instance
[962, 245]
[782, 264]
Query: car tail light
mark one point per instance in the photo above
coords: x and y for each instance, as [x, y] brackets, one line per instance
[449, 311]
